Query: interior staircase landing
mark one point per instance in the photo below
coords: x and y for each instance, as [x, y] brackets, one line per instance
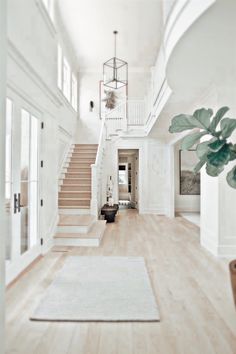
[76, 226]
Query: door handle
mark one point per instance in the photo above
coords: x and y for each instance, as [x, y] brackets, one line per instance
[15, 203]
[19, 206]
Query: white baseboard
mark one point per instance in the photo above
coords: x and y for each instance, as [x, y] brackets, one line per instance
[14, 269]
[228, 251]
[187, 210]
[215, 248]
[158, 211]
[49, 241]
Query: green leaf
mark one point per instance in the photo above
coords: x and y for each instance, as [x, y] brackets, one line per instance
[228, 125]
[232, 152]
[213, 171]
[184, 122]
[217, 118]
[231, 177]
[219, 158]
[199, 165]
[203, 116]
[217, 145]
[203, 149]
[189, 140]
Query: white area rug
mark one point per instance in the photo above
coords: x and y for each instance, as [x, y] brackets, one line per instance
[99, 289]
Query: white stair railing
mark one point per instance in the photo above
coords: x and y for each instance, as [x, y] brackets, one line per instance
[126, 114]
[116, 119]
[136, 113]
[97, 171]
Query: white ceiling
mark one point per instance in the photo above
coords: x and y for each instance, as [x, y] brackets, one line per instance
[90, 24]
[202, 69]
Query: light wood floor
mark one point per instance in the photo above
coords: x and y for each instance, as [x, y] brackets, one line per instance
[191, 286]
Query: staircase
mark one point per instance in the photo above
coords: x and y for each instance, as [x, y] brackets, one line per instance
[76, 226]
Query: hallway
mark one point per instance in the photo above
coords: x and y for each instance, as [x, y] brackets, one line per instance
[197, 312]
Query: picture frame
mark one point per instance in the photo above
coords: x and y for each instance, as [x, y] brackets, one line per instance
[189, 182]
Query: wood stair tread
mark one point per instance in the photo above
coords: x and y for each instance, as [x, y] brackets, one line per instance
[74, 198]
[88, 178]
[74, 206]
[76, 220]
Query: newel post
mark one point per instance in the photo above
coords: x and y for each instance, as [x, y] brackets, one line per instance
[94, 192]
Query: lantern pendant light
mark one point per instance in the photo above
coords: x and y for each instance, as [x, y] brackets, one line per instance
[115, 70]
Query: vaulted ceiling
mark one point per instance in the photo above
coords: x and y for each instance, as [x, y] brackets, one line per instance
[89, 25]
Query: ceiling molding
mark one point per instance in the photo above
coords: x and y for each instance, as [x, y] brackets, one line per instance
[46, 17]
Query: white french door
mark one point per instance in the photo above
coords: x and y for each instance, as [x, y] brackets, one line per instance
[22, 181]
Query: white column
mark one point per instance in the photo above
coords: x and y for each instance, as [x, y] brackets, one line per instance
[2, 165]
[218, 199]
[218, 215]
[170, 198]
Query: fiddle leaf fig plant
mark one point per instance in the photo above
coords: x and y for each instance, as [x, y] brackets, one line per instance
[216, 152]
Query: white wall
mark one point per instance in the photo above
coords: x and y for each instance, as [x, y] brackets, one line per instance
[32, 82]
[2, 168]
[183, 203]
[89, 123]
[154, 188]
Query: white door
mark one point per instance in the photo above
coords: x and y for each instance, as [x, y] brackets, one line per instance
[22, 164]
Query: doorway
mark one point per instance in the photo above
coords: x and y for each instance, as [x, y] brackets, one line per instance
[187, 185]
[128, 178]
[21, 182]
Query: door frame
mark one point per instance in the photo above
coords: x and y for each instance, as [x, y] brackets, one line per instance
[19, 262]
[139, 146]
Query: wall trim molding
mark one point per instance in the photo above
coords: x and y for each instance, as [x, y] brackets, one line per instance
[65, 101]
[24, 96]
[27, 68]
[46, 17]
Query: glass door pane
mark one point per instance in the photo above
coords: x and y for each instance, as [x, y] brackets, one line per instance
[33, 182]
[8, 175]
[24, 177]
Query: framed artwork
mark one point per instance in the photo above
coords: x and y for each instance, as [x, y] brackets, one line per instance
[110, 98]
[189, 181]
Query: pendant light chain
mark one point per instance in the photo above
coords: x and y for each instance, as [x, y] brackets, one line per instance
[115, 33]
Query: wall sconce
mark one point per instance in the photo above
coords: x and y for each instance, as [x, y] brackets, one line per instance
[91, 106]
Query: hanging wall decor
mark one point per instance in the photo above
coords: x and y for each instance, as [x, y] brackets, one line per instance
[189, 181]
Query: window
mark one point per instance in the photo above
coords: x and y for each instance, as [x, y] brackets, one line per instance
[29, 180]
[74, 92]
[122, 174]
[59, 67]
[48, 5]
[66, 80]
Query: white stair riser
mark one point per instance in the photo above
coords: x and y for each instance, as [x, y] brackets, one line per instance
[79, 242]
[74, 229]
[76, 181]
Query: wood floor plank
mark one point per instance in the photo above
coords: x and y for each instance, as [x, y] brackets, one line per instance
[191, 286]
